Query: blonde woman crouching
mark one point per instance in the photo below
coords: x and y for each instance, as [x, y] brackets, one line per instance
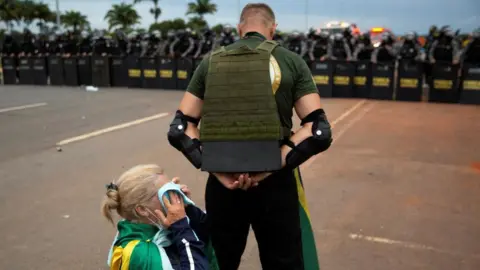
[161, 228]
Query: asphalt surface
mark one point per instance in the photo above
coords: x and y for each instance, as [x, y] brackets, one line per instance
[399, 189]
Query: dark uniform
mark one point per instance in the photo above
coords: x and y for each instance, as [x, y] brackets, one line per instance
[296, 44]
[85, 44]
[410, 49]
[384, 53]
[472, 51]
[339, 49]
[445, 48]
[275, 209]
[319, 48]
[183, 44]
[206, 43]
[364, 49]
[10, 46]
[227, 37]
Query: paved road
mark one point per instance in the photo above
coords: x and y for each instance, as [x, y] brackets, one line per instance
[399, 189]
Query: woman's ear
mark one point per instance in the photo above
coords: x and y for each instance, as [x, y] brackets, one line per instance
[141, 211]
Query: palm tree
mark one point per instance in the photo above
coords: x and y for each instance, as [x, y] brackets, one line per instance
[155, 11]
[9, 12]
[123, 16]
[201, 7]
[75, 20]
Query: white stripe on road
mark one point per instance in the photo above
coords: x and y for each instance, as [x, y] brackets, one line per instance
[404, 244]
[348, 112]
[335, 122]
[110, 129]
[23, 107]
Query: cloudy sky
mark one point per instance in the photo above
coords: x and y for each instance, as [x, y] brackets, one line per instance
[400, 16]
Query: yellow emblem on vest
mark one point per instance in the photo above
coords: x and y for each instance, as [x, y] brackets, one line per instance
[275, 74]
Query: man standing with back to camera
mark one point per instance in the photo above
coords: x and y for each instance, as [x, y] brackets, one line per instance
[244, 94]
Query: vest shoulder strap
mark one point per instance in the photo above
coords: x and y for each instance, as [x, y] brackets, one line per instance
[267, 45]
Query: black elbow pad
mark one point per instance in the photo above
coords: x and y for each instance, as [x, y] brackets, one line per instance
[320, 140]
[190, 148]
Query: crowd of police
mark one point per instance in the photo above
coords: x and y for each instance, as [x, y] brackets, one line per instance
[441, 46]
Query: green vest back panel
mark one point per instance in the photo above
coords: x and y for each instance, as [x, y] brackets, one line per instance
[239, 104]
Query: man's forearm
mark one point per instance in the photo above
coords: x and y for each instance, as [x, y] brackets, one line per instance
[299, 136]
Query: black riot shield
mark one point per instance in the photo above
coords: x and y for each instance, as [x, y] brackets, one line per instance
[184, 72]
[84, 64]
[134, 72]
[100, 71]
[55, 70]
[166, 70]
[9, 67]
[409, 81]
[382, 81]
[39, 65]
[25, 70]
[343, 79]
[322, 73]
[118, 71]
[70, 69]
[470, 86]
[362, 80]
[444, 83]
[150, 78]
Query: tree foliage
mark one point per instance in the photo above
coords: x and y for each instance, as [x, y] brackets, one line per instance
[122, 16]
[75, 20]
[201, 8]
[156, 11]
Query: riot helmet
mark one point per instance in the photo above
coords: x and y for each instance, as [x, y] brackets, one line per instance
[410, 37]
[227, 29]
[84, 34]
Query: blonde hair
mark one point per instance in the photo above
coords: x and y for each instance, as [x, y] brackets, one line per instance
[134, 187]
[258, 11]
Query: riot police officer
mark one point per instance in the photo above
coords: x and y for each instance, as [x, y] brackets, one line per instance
[445, 48]
[364, 48]
[472, 51]
[70, 44]
[27, 48]
[134, 45]
[10, 46]
[41, 45]
[338, 48]
[410, 49]
[206, 43]
[384, 52]
[319, 48]
[119, 44]
[296, 44]
[227, 37]
[144, 43]
[183, 44]
[165, 46]
[85, 44]
[100, 44]
[278, 37]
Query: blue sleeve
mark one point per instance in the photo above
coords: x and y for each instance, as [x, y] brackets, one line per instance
[191, 250]
[198, 222]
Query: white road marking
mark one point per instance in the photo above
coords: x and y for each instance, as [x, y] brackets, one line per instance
[404, 244]
[348, 112]
[110, 129]
[23, 107]
[341, 132]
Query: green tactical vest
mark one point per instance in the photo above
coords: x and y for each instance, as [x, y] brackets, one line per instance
[239, 103]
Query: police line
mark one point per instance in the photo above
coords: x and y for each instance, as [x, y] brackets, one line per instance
[102, 71]
[401, 80]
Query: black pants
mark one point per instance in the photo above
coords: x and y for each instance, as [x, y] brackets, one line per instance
[272, 209]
